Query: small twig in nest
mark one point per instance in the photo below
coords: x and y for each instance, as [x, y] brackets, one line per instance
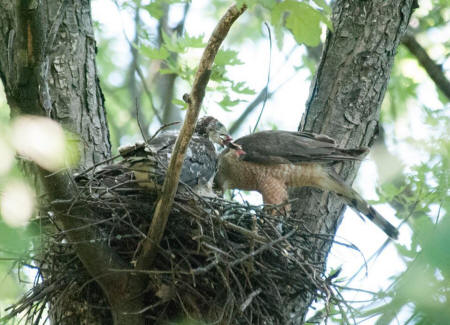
[162, 128]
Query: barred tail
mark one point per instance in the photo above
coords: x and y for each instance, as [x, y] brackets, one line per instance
[355, 201]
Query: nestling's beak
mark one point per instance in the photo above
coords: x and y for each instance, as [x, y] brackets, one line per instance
[225, 139]
[218, 133]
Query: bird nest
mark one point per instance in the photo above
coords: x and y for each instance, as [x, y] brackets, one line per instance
[219, 261]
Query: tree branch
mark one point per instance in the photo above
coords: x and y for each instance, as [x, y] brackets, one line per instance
[164, 205]
[250, 108]
[261, 97]
[434, 70]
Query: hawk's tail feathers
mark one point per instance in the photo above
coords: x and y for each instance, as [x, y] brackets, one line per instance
[361, 206]
[355, 201]
[384, 225]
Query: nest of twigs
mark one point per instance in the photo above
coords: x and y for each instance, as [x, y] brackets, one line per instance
[219, 261]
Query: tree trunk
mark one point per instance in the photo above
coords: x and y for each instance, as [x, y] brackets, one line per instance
[47, 66]
[344, 103]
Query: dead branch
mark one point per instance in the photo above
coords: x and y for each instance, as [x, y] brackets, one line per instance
[164, 205]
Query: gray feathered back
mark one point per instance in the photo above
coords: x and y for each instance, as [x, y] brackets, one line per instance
[281, 147]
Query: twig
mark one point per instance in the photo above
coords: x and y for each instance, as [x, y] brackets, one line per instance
[248, 301]
[165, 83]
[97, 164]
[434, 70]
[149, 95]
[135, 92]
[141, 75]
[162, 128]
[228, 225]
[141, 129]
[164, 205]
[96, 256]
[268, 78]
[262, 248]
[261, 97]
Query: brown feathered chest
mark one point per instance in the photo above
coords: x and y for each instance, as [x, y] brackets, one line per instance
[234, 172]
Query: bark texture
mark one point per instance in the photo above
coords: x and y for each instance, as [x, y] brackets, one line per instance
[344, 103]
[47, 66]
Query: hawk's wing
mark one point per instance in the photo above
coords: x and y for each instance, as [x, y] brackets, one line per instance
[281, 147]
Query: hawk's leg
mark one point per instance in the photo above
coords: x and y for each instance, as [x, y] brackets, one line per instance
[275, 192]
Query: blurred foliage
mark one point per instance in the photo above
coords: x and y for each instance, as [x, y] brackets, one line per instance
[424, 287]
[14, 242]
[162, 50]
[429, 22]
[421, 294]
[401, 89]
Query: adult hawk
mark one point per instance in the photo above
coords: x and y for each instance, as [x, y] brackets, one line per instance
[149, 162]
[270, 162]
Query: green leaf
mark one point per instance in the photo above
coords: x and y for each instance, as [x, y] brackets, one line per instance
[154, 9]
[240, 88]
[268, 4]
[154, 53]
[227, 102]
[179, 102]
[249, 3]
[10, 285]
[404, 251]
[227, 57]
[218, 73]
[302, 20]
[279, 36]
[193, 41]
[171, 44]
[390, 190]
[13, 239]
[176, 44]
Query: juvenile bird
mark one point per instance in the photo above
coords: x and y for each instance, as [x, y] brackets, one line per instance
[199, 165]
